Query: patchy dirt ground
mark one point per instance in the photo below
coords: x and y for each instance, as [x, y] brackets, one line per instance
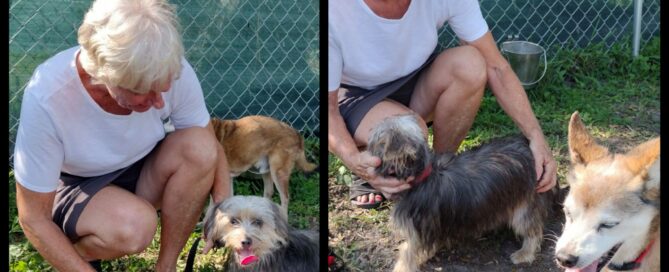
[363, 240]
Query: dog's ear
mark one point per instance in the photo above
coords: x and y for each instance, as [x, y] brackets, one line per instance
[651, 188]
[280, 220]
[582, 146]
[211, 229]
[644, 161]
[229, 127]
[642, 157]
[217, 125]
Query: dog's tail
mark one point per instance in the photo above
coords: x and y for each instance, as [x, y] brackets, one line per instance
[303, 164]
[301, 160]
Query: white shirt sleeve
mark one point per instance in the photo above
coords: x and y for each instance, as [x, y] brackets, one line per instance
[335, 63]
[466, 19]
[188, 106]
[38, 152]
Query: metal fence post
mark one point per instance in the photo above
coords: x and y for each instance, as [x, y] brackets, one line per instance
[637, 27]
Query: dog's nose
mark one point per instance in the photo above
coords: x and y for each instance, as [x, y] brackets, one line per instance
[566, 260]
[246, 242]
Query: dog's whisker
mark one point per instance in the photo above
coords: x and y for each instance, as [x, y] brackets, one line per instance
[550, 239]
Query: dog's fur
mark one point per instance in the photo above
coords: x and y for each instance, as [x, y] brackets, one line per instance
[465, 194]
[613, 202]
[255, 224]
[269, 145]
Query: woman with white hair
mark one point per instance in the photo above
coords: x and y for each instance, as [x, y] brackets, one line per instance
[383, 60]
[92, 160]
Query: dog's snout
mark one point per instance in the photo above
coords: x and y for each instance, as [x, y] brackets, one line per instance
[247, 242]
[566, 260]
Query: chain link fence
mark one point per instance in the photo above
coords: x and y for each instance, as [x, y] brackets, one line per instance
[565, 24]
[252, 57]
[262, 57]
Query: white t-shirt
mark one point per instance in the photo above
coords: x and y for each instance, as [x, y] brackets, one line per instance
[63, 129]
[366, 50]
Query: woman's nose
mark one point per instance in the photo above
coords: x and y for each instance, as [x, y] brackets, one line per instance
[157, 100]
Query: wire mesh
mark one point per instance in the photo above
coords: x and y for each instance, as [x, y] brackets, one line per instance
[262, 57]
[565, 24]
[251, 57]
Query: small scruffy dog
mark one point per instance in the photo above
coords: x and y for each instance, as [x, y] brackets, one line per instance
[455, 196]
[270, 146]
[259, 236]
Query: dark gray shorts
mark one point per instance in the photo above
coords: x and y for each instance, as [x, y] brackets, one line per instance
[74, 192]
[355, 102]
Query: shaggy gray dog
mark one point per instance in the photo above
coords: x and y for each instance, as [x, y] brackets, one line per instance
[257, 232]
[459, 195]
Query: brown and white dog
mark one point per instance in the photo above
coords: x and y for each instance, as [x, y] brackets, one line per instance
[613, 206]
[272, 147]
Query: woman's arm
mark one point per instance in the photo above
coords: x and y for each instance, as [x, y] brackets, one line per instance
[34, 211]
[222, 187]
[512, 98]
[362, 164]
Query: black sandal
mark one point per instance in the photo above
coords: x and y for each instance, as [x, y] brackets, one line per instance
[360, 187]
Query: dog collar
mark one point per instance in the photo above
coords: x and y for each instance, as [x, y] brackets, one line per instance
[633, 265]
[423, 176]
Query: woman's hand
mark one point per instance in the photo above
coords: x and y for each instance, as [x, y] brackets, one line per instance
[545, 165]
[364, 166]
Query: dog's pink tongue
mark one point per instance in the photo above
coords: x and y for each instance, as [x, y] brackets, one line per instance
[590, 268]
[247, 257]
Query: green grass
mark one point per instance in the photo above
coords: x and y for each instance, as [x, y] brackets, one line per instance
[303, 213]
[618, 97]
[611, 90]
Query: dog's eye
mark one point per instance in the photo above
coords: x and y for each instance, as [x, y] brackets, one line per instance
[607, 225]
[257, 223]
[234, 221]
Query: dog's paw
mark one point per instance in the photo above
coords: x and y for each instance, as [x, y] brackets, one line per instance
[522, 256]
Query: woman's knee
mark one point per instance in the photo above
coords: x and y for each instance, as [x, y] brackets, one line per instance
[198, 147]
[375, 115]
[469, 66]
[136, 229]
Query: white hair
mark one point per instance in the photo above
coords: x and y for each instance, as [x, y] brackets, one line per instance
[132, 44]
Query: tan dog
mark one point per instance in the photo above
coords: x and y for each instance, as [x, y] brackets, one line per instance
[613, 206]
[269, 145]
